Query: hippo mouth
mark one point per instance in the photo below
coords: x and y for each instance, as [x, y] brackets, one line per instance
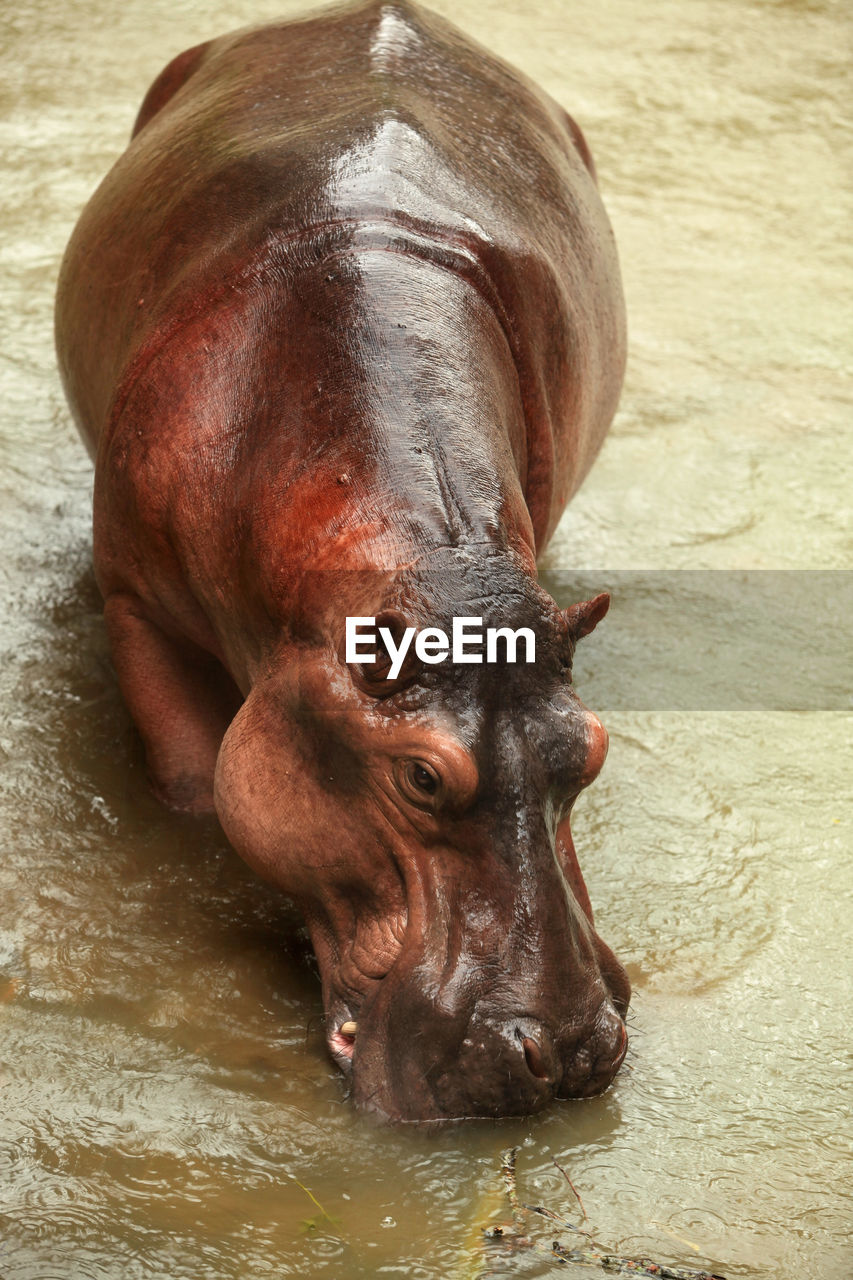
[520, 1048]
[341, 1042]
[355, 979]
[412, 1057]
[472, 996]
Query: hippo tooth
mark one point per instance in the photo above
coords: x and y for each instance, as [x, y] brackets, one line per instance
[348, 1028]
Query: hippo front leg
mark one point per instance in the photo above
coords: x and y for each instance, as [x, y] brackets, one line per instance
[181, 699]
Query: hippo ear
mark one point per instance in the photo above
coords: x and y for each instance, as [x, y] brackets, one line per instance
[584, 617]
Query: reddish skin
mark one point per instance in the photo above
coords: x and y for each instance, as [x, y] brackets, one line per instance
[343, 330]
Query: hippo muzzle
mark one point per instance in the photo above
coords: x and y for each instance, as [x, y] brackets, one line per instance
[498, 1003]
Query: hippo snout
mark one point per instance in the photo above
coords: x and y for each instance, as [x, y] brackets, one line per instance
[497, 1066]
[497, 1002]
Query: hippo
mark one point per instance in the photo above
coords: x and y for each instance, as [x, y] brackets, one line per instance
[343, 331]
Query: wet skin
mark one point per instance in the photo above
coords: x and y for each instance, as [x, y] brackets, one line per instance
[344, 331]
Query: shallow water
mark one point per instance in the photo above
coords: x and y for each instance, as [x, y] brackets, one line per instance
[166, 1104]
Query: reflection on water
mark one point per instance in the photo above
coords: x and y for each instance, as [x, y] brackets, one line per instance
[166, 1105]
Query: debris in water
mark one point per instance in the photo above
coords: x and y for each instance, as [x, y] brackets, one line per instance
[508, 1171]
[575, 1191]
[509, 1238]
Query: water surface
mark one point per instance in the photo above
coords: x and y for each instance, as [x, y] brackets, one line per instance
[166, 1105]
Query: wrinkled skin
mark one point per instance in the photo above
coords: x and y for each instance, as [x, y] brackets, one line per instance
[343, 330]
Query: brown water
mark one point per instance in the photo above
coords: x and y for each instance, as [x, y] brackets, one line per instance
[166, 1105]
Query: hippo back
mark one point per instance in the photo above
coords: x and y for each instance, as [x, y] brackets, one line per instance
[269, 150]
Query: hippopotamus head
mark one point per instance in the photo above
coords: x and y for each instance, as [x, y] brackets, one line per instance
[419, 813]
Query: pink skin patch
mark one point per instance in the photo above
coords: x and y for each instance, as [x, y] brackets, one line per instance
[341, 1045]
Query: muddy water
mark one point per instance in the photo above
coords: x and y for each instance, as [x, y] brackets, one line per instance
[166, 1105]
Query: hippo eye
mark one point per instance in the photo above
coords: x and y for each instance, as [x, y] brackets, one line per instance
[424, 779]
[375, 677]
[419, 782]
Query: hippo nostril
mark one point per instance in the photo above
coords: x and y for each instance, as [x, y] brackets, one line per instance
[535, 1043]
[533, 1058]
